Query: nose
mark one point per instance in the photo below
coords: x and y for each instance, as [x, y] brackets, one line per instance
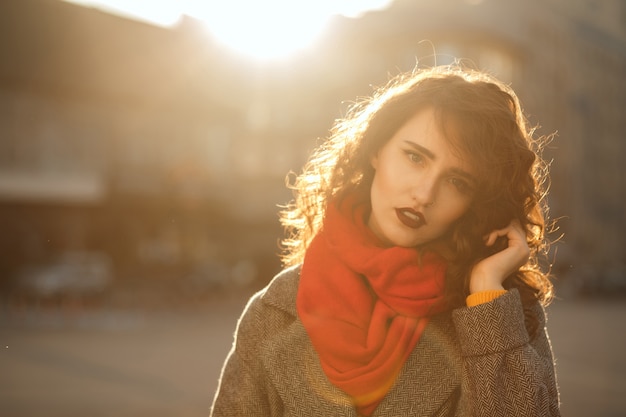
[424, 191]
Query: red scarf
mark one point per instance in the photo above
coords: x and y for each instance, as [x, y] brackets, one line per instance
[365, 306]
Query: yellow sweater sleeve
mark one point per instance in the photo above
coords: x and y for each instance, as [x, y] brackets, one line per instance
[482, 297]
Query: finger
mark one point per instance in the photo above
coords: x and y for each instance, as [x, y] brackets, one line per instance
[493, 236]
[513, 229]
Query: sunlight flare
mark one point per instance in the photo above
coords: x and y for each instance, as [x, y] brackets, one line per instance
[262, 30]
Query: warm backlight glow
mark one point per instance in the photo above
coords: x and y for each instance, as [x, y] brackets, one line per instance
[262, 29]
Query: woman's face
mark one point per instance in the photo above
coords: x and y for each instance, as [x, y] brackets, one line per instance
[420, 187]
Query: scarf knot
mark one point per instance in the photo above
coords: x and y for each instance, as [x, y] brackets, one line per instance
[365, 306]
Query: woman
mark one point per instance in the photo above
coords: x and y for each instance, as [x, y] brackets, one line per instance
[412, 282]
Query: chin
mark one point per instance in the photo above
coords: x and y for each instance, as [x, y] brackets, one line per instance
[405, 243]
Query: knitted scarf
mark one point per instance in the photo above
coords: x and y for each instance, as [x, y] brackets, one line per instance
[365, 306]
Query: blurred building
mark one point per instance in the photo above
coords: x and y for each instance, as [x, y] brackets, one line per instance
[116, 136]
[167, 152]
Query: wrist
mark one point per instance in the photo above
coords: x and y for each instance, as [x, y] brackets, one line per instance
[485, 287]
[483, 282]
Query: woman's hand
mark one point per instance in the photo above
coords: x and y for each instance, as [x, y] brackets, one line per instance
[490, 273]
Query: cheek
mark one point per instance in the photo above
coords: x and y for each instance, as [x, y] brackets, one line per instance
[392, 176]
[379, 194]
[454, 210]
[382, 183]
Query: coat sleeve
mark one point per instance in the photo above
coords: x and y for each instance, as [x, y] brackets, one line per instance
[505, 372]
[243, 389]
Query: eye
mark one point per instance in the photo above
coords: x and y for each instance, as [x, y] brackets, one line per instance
[414, 156]
[461, 185]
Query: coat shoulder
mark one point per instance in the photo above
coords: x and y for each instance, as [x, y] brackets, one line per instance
[268, 312]
[281, 292]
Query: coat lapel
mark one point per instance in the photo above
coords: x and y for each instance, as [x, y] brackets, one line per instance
[298, 377]
[431, 376]
[292, 364]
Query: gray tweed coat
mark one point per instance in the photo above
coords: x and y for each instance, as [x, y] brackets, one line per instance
[474, 361]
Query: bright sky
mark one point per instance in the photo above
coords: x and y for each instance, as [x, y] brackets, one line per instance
[263, 29]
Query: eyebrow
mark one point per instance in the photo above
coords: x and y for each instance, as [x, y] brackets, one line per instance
[430, 155]
[427, 152]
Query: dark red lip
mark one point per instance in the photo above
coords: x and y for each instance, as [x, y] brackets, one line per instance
[411, 218]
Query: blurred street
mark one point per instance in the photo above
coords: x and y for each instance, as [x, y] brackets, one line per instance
[102, 362]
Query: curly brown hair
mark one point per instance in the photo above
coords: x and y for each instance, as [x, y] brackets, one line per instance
[482, 119]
